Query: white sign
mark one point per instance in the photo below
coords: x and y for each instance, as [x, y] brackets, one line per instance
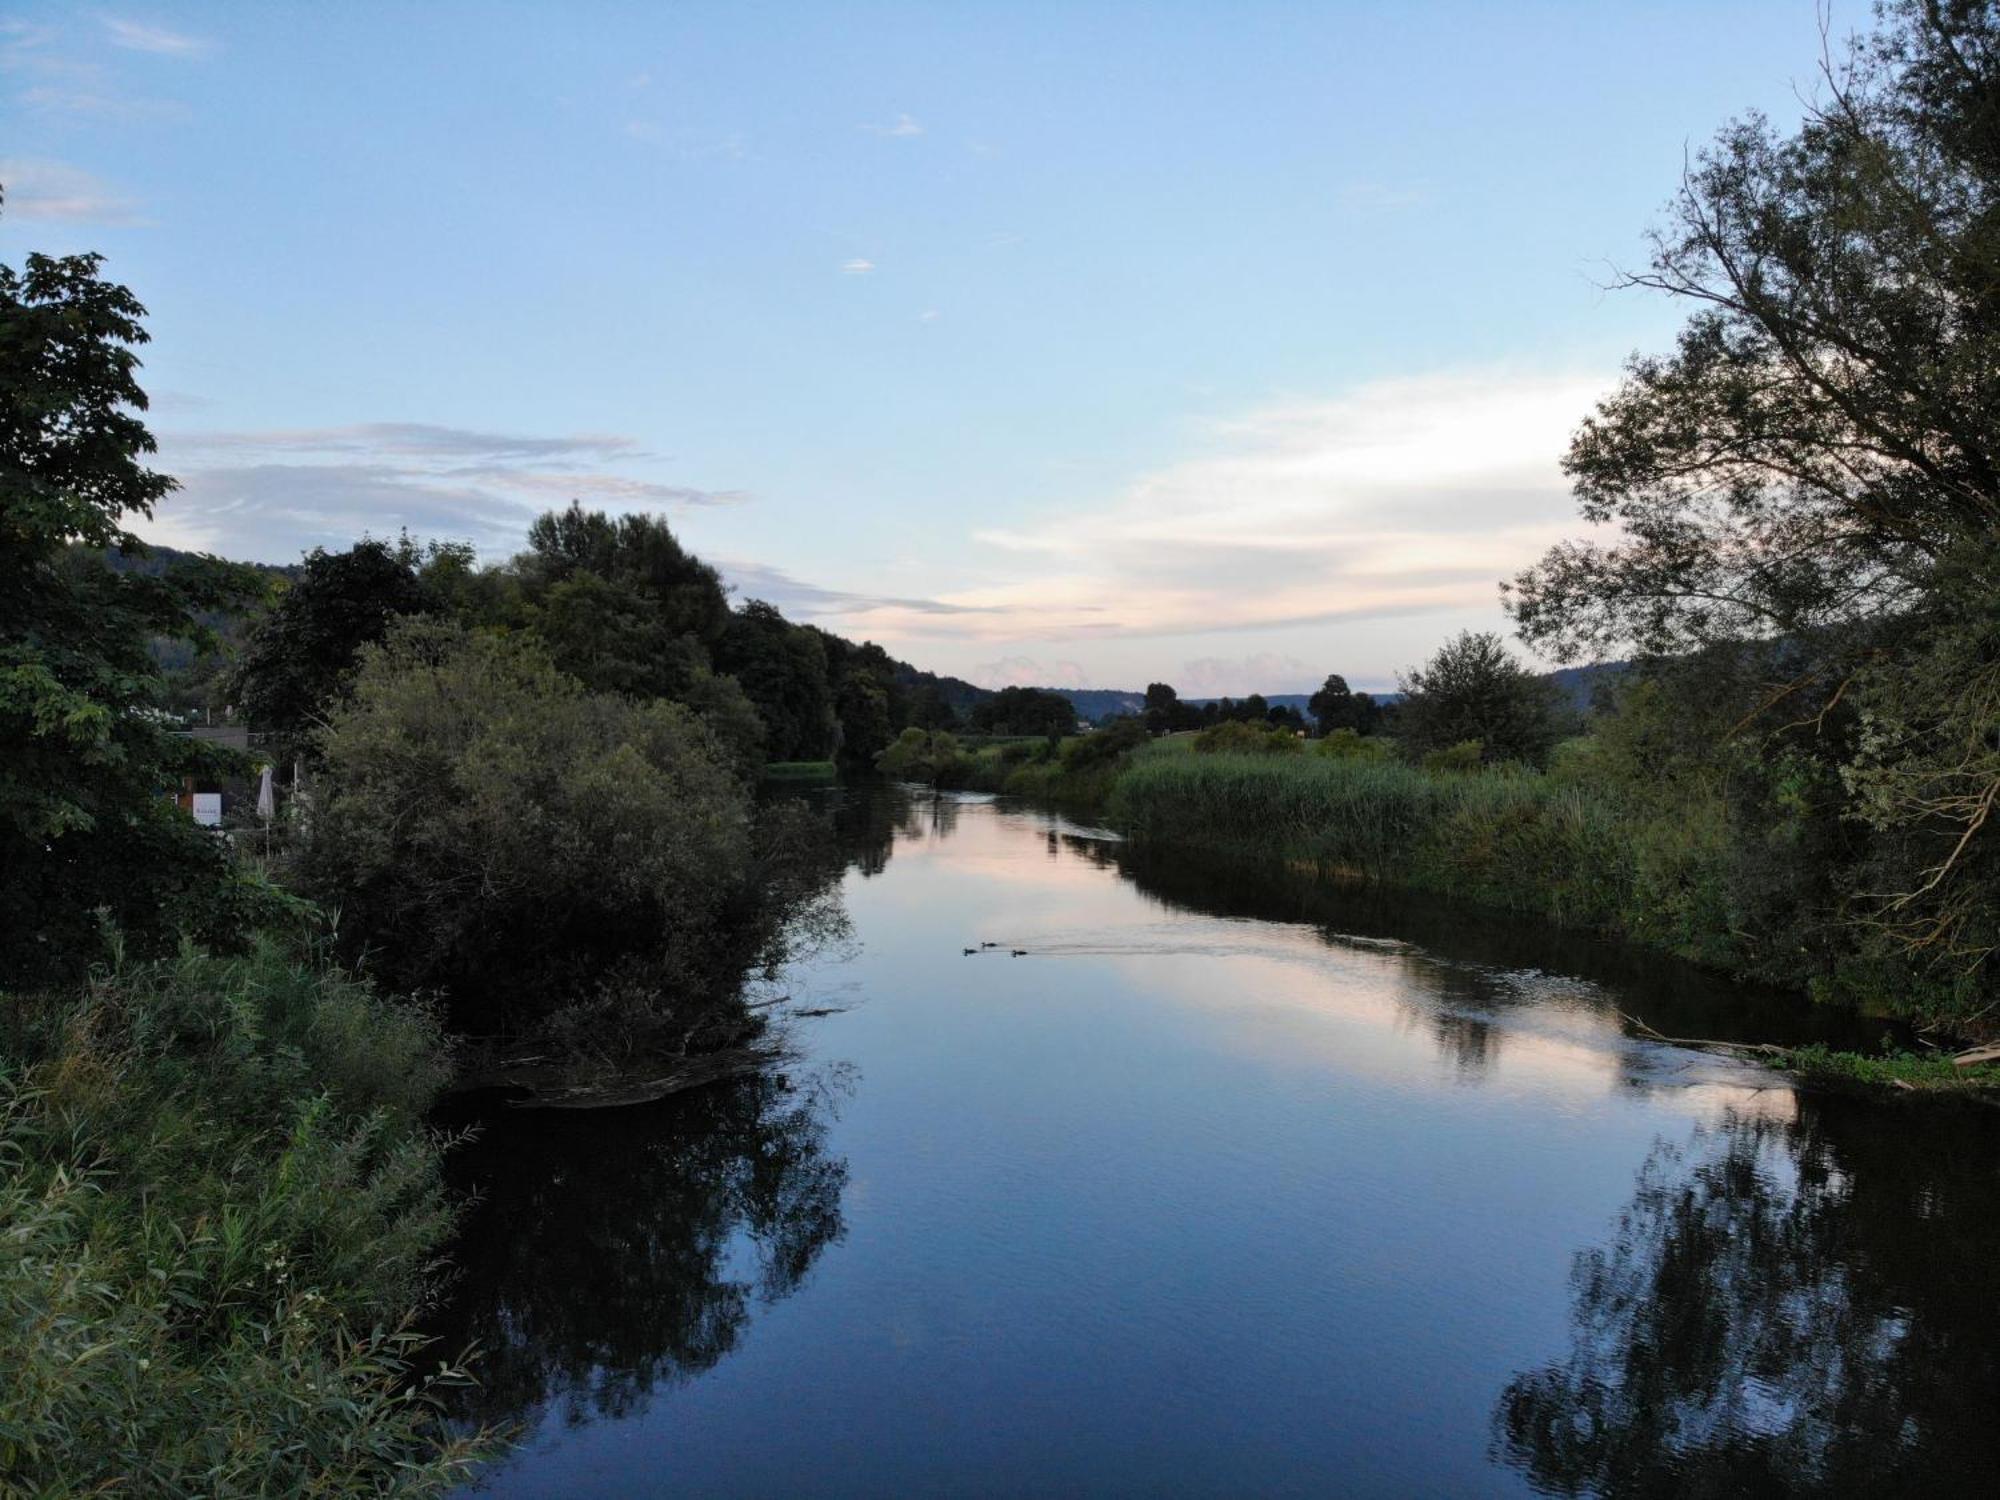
[208, 809]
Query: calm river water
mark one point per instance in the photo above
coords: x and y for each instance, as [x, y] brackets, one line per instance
[1233, 1185]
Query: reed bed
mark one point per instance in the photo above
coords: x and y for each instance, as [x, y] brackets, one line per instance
[1573, 853]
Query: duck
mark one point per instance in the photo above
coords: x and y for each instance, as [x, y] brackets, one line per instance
[970, 951]
[1018, 952]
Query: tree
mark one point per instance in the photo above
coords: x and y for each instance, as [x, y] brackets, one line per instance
[1336, 706]
[1817, 463]
[488, 828]
[298, 655]
[1023, 710]
[613, 639]
[88, 831]
[1473, 690]
[782, 667]
[638, 552]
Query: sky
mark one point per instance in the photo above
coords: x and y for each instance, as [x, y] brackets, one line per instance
[1084, 345]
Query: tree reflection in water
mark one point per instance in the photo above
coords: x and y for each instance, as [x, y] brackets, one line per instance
[1786, 1307]
[611, 1253]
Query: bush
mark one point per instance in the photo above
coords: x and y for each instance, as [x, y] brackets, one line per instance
[221, 1217]
[1466, 755]
[1346, 744]
[1239, 738]
[1104, 746]
[488, 829]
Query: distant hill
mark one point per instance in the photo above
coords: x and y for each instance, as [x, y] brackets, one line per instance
[1581, 685]
[1101, 703]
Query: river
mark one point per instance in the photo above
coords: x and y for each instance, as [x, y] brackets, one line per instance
[1233, 1184]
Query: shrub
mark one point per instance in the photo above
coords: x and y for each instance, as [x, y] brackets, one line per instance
[1466, 755]
[221, 1217]
[1239, 738]
[487, 828]
[1346, 744]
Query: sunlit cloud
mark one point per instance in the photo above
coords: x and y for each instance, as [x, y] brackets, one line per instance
[1399, 496]
[137, 36]
[856, 267]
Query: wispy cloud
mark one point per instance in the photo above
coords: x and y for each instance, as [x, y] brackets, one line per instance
[690, 145]
[138, 36]
[856, 267]
[902, 127]
[54, 192]
[810, 601]
[269, 495]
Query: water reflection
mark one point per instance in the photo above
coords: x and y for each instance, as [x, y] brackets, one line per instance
[1786, 1306]
[614, 1252]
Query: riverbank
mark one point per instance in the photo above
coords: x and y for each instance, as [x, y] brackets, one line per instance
[1563, 846]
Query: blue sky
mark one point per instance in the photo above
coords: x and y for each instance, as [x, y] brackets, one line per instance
[1226, 344]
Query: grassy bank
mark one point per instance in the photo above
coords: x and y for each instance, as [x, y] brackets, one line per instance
[1521, 840]
[221, 1211]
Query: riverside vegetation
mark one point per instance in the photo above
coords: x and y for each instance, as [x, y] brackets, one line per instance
[220, 1192]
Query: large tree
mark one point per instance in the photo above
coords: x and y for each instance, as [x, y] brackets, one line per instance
[89, 833]
[1472, 689]
[1816, 465]
[299, 655]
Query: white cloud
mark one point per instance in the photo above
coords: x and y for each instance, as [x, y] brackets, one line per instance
[1264, 672]
[267, 496]
[55, 192]
[1027, 671]
[902, 127]
[856, 267]
[1399, 497]
[140, 37]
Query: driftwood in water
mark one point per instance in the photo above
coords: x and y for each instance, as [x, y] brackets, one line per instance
[540, 1082]
[1754, 1049]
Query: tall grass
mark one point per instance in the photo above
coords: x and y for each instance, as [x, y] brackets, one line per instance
[1563, 849]
[219, 1213]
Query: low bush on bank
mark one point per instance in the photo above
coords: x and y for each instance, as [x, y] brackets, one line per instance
[221, 1213]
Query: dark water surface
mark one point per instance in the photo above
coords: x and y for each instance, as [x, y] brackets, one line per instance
[1234, 1185]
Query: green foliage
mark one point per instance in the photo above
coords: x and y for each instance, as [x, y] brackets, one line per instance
[486, 827]
[222, 1216]
[89, 837]
[1348, 744]
[613, 639]
[931, 756]
[1814, 472]
[639, 556]
[782, 668]
[1021, 710]
[1236, 737]
[1473, 690]
[1336, 707]
[1466, 755]
[1930, 1072]
[299, 655]
[1106, 746]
